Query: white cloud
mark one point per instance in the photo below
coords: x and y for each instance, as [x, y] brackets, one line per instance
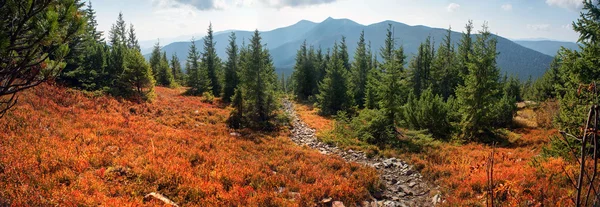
[506, 7]
[205, 5]
[452, 7]
[538, 27]
[573, 5]
[567, 26]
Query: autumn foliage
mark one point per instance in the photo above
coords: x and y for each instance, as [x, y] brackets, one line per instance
[522, 176]
[64, 147]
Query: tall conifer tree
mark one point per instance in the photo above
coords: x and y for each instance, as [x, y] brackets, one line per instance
[360, 70]
[211, 62]
[481, 88]
[231, 69]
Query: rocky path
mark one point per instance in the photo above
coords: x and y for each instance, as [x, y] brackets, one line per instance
[404, 186]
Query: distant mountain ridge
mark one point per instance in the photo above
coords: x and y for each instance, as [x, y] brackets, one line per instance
[548, 47]
[284, 42]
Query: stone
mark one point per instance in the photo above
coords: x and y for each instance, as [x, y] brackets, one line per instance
[337, 204]
[378, 195]
[436, 199]
[235, 134]
[412, 184]
[159, 197]
[326, 200]
[389, 204]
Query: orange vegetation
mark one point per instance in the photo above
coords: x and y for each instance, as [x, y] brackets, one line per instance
[310, 115]
[61, 147]
[521, 176]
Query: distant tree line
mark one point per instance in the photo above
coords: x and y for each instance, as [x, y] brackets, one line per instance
[445, 91]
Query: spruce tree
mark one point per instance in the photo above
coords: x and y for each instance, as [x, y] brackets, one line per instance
[86, 60]
[257, 88]
[578, 71]
[428, 112]
[165, 77]
[445, 73]
[479, 93]
[132, 41]
[90, 75]
[197, 77]
[211, 62]
[137, 77]
[391, 92]
[176, 69]
[343, 54]
[305, 74]
[118, 32]
[421, 68]
[116, 65]
[231, 69]
[92, 23]
[360, 70]
[465, 50]
[155, 59]
[320, 66]
[333, 90]
[373, 81]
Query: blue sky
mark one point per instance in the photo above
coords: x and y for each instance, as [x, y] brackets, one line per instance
[166, 19]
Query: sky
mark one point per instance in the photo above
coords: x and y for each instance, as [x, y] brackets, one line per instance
[172, 19]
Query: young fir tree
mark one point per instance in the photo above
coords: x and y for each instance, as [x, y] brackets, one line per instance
[333, 90]
[445, 74]
[320, 66]
[373, 81]
[343, 54]
[391, 92]
[155, 59]
[465, 50]
[421, 67]
[304, 73]
[86, 61]
[89, 76]
[479, 94]
[132, 41]
[428, 112]
[118, 32]
[360, 70]
[165, 77]
[137, 77]
[231, 69]
[256, 102]
[211, 62]
[282, 86]
[92, 24]
[197, 77]
[176, 69]
[116, 65]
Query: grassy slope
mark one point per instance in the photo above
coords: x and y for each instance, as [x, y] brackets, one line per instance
[61, 147]
[521, 176]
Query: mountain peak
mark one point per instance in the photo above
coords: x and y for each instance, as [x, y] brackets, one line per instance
[304, 21]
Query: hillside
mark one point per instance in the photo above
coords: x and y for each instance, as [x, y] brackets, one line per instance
[61, 147]
[547, 47]
[283, 43]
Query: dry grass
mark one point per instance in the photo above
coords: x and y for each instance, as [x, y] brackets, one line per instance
[60, 147]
